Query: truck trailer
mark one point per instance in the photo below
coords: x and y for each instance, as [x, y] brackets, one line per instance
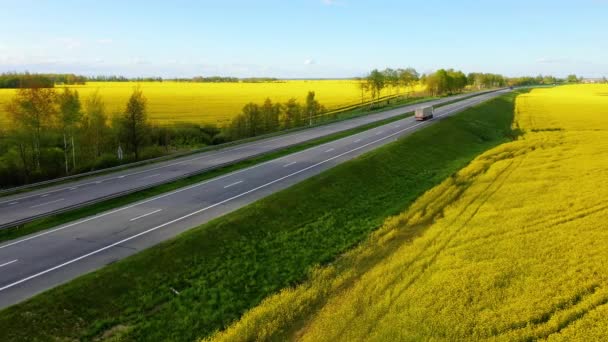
[424, 113]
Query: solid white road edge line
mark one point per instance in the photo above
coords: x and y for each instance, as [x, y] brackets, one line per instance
[144, 215]
[289, 164]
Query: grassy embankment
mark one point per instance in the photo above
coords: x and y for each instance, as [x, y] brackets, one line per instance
[514, 247]
[230, 264]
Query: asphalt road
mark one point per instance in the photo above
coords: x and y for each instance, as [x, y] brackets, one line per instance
[41, 261]
[34, 204]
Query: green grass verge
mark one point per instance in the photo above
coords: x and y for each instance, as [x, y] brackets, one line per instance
[228, 265]
[80, 213]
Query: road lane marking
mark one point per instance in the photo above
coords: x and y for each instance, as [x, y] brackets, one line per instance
[397, 126]
[144, 215]
[378, 133]
[150, 176]
[289, 164]
[205, 183]
[123, 176]
[45, 203]
[73, 188]
[98, 182]
[44, 195]
[235, 183]
[356, 141]
[8, 263]
[13, 203]
[331, 149]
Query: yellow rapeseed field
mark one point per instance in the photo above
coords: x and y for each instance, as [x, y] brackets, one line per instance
[515, 247]
[211, 102]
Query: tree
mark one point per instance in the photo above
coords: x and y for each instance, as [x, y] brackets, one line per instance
[363, 86]
[31, 111]
[270, 116]
[69, 117]
[94, 123]
[572, 79]
[376, 82]
[292, 114]
[313, 107]
[253, 119]
[445, 81]
[391, 78]
[408, 78]
[134, 122]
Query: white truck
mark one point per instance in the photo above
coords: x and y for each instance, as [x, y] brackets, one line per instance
[424, 113]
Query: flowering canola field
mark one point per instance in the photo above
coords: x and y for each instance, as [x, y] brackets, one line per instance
[514, 247]
[211, 102]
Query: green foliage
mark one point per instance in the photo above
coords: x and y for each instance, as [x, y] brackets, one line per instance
[27, 80]
[445, 82]
[230, 264]
[480, 80]
[269, 117]
[134, 125]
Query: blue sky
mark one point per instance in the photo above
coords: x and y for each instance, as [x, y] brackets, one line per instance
[303, 38]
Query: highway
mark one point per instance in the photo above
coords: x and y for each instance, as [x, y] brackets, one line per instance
[24, 207]
[41, 261]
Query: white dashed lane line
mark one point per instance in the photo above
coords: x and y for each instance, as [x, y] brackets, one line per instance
[144, 215]
[8, 263]
[45, 203]
[233, 184]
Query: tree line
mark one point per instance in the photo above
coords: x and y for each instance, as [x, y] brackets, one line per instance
[54, 133]
[27, 80]
[391, 79]
[225, 79]
[268, 117]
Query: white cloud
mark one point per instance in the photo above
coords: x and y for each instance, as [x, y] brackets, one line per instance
[309, 61]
